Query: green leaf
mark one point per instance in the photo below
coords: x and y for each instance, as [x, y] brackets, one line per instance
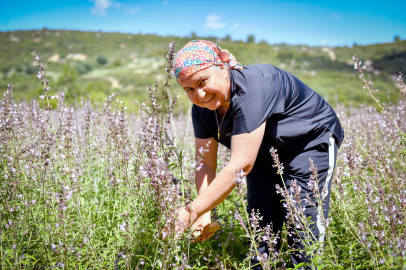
[301, 265]
[142, 256]
[30, 257]
[159, 263]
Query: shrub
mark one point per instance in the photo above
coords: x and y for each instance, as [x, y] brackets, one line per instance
[19, 67]
[6, 69]
[116, 63]
[82, 68]
[101, 59]
[30, 69]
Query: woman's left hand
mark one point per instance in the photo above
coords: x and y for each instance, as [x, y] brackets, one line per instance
[184, 220]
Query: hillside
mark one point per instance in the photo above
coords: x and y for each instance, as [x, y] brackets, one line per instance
[91, 65]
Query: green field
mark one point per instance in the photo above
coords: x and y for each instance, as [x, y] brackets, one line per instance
[93, 182]
[92, 65]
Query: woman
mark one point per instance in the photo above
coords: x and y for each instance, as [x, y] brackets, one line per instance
[249, 110]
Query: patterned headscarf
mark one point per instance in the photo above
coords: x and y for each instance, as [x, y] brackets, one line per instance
[198, 55]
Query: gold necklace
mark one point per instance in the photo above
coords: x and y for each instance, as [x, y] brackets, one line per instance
[218, 127]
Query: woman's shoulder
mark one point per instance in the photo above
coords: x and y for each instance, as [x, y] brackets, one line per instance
[255, 78]
[255, 74]
[259, 70]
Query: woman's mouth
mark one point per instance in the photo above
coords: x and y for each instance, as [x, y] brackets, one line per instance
[207, 100]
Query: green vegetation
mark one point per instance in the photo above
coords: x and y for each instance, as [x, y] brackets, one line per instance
[92, 187]
[101, 59]
[128, 63]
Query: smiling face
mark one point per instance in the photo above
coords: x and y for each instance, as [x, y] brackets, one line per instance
[208, 88]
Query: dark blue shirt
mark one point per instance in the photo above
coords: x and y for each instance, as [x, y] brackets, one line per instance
[296, 117]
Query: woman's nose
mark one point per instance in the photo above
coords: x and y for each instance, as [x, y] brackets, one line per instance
[201, 93]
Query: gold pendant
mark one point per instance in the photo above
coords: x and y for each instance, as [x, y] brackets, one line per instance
[218, 135]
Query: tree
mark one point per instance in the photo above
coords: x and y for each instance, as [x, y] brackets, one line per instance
[263, 42]
[227, 38]
[101, 59]
[396, 38]
[250, 39]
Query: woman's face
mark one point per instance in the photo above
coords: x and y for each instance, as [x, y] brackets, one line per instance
[208, 88]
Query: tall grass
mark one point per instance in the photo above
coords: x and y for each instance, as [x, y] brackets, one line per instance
[93, 189]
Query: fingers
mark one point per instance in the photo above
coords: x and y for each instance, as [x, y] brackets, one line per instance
[179, 229]
[200, 239]
[196, 227]
[205, 231]
[181, 224]
[210, 235]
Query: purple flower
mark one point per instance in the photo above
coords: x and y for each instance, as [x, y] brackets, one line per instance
[122, 226]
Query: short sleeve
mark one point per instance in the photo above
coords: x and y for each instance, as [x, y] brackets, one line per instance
[200, 129]
[256, 100]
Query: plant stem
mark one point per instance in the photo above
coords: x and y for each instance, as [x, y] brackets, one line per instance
[86, 233]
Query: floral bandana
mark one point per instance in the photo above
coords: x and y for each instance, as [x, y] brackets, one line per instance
[198, 55]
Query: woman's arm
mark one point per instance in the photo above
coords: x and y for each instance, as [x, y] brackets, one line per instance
[204, 176]
[207, 172]
[244, 150]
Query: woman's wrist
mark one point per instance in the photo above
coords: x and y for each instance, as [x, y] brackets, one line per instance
[193, 214]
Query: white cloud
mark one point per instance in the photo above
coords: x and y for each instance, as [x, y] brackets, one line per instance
[165, 3]
[100, 6]
[131, 10]
[213, 22]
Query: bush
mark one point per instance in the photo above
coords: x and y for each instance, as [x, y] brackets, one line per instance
[116, 63]
[30, 69]
[19, 68]
[101, 59]
[6, 69]
[82, 68]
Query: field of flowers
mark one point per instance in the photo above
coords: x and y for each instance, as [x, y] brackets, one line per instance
[92, 188]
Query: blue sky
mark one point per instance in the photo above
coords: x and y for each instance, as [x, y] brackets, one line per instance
[326, 22]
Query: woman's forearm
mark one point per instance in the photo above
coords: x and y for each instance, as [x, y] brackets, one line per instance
[244, 151]
[215, 193]
[204, 177]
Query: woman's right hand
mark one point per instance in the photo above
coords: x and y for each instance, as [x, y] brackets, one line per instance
[202, 224]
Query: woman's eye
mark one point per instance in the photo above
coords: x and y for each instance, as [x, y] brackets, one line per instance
[202, 82]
